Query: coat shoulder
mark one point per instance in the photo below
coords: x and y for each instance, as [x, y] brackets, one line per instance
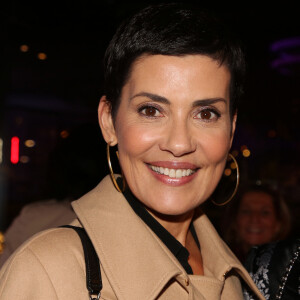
[51, 244]
[52, 257]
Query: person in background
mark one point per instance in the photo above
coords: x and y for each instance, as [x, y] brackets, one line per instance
[173, 74]
[74, 167]
[257, 216]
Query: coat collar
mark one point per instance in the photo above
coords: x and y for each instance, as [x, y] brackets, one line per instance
[121, 238]
[217, 257]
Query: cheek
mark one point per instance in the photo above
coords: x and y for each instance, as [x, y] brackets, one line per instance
[134, 140]
[215, 146]
[241, 221]
[270, 222]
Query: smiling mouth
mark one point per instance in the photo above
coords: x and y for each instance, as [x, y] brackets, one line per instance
[172, 173]
[254, 230]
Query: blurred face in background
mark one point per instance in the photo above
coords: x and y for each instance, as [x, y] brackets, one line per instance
[257, 222]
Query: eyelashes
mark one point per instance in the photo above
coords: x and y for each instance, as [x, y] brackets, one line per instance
[205, 114]
[150, 111]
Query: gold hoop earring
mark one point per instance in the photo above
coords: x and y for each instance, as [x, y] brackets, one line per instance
[236, 185]
[112, 175]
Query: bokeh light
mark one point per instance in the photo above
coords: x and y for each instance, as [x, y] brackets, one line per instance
[24, 159]
[14, 150]
[24, 48]
[246, 153]
[64, 134]
[42, 56]
[227, 172]
[235, 153]
[29, 143]
[272, 133]
[233, 165]
[1, 242]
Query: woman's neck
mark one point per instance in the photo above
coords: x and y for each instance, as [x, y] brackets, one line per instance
[178, 226]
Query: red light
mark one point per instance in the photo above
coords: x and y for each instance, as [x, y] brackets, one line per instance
[14, 151]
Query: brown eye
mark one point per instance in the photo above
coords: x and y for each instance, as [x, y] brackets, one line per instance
[205, 114]
[150, 111]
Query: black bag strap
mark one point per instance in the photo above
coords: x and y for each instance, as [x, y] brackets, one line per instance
[92, 263]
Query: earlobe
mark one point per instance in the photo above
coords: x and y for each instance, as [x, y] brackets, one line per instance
[106, 121]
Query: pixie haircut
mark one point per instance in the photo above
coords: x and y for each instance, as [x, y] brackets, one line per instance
[176, 30]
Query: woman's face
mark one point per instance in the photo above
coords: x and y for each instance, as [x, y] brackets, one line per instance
[257, 223]
[173, 130]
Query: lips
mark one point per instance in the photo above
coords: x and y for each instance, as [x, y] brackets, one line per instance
[172, 173]
[254, 230]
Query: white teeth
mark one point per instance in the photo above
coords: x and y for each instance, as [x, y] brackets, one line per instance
[173, 173]
[178, 173]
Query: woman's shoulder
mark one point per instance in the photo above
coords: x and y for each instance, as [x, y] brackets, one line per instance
[52, 246]
[51, 258]
[38, 216]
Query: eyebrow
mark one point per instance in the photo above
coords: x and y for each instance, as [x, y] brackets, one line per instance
[157, 98]
[153, 97]
[210, 101]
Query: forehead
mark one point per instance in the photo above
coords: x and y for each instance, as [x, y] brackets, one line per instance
[257, 199]
[194, 73]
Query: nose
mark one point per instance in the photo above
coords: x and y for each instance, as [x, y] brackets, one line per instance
[255, 217]
[178, 138]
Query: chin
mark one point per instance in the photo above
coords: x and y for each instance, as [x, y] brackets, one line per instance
[172, 210]
[255, 242]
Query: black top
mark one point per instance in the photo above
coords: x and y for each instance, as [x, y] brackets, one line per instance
[179, 251]
[275, 269]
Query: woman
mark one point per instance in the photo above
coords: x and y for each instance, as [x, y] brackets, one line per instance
[173, 75]
[258, 216]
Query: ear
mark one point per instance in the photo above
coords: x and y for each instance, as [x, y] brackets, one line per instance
[233, 126]
[106, 121]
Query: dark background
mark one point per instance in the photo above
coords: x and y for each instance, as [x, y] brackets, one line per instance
[44, 100]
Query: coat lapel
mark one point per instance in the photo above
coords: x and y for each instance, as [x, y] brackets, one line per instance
[121, 239]
[217, 257]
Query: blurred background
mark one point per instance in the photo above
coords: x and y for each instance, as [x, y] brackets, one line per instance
[51, 82]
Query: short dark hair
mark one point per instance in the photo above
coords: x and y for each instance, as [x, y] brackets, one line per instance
[171, 29]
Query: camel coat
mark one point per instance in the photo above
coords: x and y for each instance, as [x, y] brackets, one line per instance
[35, 217]
[135, 264]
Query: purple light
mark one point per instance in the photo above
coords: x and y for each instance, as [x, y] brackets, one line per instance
[286, 43]
[285, 60]
[288, 55]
